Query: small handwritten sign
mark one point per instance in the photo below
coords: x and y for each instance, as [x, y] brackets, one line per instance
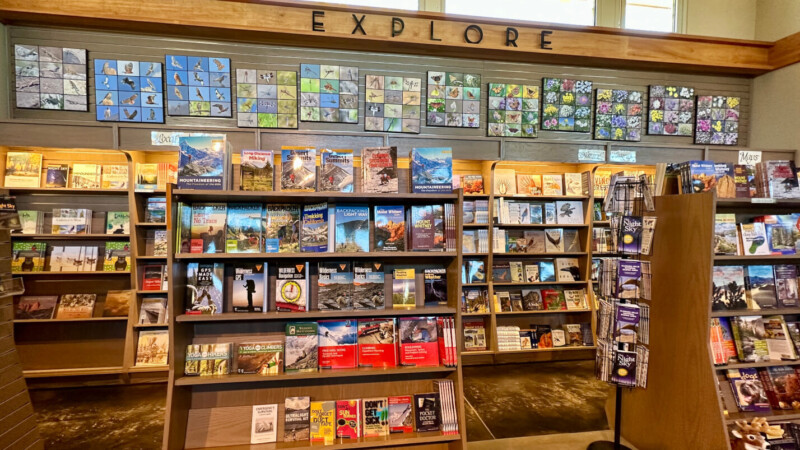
[591, 155]
[169, 138]
[622, 156]
[749, 156]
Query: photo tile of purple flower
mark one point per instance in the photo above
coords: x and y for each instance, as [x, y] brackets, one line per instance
[618, 114]
[567, 101]
[717, 120]
[665, 99]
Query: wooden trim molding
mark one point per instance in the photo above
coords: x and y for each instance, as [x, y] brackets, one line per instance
[785, 51]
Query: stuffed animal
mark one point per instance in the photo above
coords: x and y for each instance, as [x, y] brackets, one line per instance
[747, 436]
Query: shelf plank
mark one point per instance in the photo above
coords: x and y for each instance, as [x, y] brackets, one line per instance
[274, 315]
[70, 191]
[542, 197]
[525, 313]
[150, 225]
[541, 225]
[601, 223]
[150, 325]
[87, 319]
[70, 236]
[150, 191]
[758, 203]
[755, 312]
[540, 283]
[544, 350]
[475, 314]
[150, 258]
[475, 255]
[474, 284]
[73, 372]
[321, 374]
[477, 352]
[396, 440]
[755, 257]
[476, 225]
[320, 255]
[757, 365]
[152, 292]
[71, 273]
[771, 416]
[538, 255]
[148, 369]
[289, 197]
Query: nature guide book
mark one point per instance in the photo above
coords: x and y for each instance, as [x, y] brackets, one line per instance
[352, 228]
[748, 390]
[348, 419]
[726, 236]
[376, 416]
[760, 287]
[781, 385]
[786, 284]
[249, 287]
[152, 348]
[282, 228]
[754, 239]
[338, 344]
[114, 176]
[264, 427]
[472, 184]
[750, 337]
[390, 228]
[117, 257]
[435, 286]
[298, 169]
[301, 347]
[723, 347]
[263, 358]
[779, 343]
[208, 227]
[296, 419]
[76, 306]
[379, 170]
[153, 311]
[401, 417]
[368, 285]
[334, 286]
[23, 169]
[422, 233]
[146, 177]
[57, 176]
[35, 307]
[323, 421]
[204, 288]
[728, 291]
[291, 287]
[257, 170]
[630, 240]
[505, 182]
[404, 289]
[336, 171]
[243, 228]
[118, 222]
[428, 416]
[431, 170]
[202, 162]
[569, 212]
[377, 342]
[419, 345]
[315, 228]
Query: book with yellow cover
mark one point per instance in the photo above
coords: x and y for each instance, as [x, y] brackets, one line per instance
[23, 169]
[86, 176]
[404, 289]
[115, 176]
[323, 421]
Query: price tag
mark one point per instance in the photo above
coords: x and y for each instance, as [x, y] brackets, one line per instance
[749, 156]
[622, 156]
[762, 200]
[591, 155]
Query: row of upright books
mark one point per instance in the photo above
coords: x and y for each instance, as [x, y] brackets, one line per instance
[509, 182]
[516, 212]
[71, 306]
[546, 298]
[549, 240]
[751, 339]
[33, 257]
[754, 287]
[539, 337]
[73, 221]
[768, 179]
[534, 271]
[762, 390]
[25, 169]
[764, 235]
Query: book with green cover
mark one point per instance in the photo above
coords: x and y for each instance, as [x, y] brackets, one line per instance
[118, 222]
[118, 257]
[28, 256]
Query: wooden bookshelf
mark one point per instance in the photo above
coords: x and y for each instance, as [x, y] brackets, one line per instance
[321, 255]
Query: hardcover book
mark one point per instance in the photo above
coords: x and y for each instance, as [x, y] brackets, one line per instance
[435, 286]
[337, 344]
[379, 170]
[567, 269]
[202, 162]
[428, 417]
[204, 287]
[336, 171]
[401, 419]
[298, 169]
[552, 185]
[348, 419]
[529, 184]
[418, 341]
[208, 359]
[554, 240]
[152, 349]
[472, 184]
[263, 358]
[257, 170]
[282, 228]
[569, 212]
[553, 300]
[23, 169]
[352, 228]
[376, 416]
[76, 306]
[118, 222]
[117, 257]
[573, 184]
[35, 307]
[532, 299]
[57, 176]
[243, 226]
[291, 287]
[301, 347]
[575, 299]
[390, 228]
[208, 227]
[377, 345]
[115, 176]
[334, 286]
[404, 289]
[146, 177]
[505, 182]
[71, 221]
[249, 287]
[264, 428]
[314, 234]
[296, 419]
[368, 285]
[431, 170]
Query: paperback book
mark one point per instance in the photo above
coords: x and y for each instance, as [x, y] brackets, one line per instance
[431, 170]
[202, 162]
[57, 176]
[35, 307]
[379, 170]
[76, 306]
[257, 170]
[427, 416]
[336, 171]
[334, 286]
[322, 418]
[418, 341]
[23, 169]
[376, 417]
[390, 229]
[314, 232]
[243, 227]
[264, 427]
[208, 227]
[301, 347]
[401, 419]
[352, 228]
[298, 169]
[377, 345]
[296, 419]
[368, 285]
[338, 344]
[404, 289]
[291, 287]
[118, 222]
[435, 286]
[249, 287]
[115, 176]
[204, 287]
[348, 419]
[282, 228]
[86, 176]
[152, 349]
[262, 358]
[117, 257]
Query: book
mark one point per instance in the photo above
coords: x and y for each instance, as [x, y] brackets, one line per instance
[376, 416]
[754, 239]
[401, 419]
[427, 414]
[760, 287]
[117, 303]
[529, 184]
[624, 368]
[249, 287]
[86, 176]
[36, 307]
[723, 347]
[71, 221]
[114, 176]
[377, 343]
[728, 291]
[282, 228]
[338, 344]
[567, 269]
[368, 285]
[575, 299]
[786, 285]
[146, 177]
[32, 222]
[89, 259]
[379, 170]
[322, 419]
[554, 240]
[336, 171]
[418, 341]
[726, 235]
[573, 184]
[532, 299]
[541, 336]
[301, 347]
[291, 287]
[152, 276]
[118, 222]
[117, 257]
[783, 384]
[569, 212]
[477, 271]
[153, 311]
[390, 229]
[475, 300]
[23, 169]
[204, 288]
[559, 338]
[202, 162]
[152, 348]
[28, 256]
[298, 169]
[630, 240]
[352, 228]
[208, 227]
[553, 300]
[76, 306]
[431, 170]
[348, 419]
[572, 241]
[404, 289]
[156, 211]
[296, 419]
[552, 185]
[243, 228]
[505, 182]
[546, 271]
[472, 184]
[263, 358]
[334, 286]
[314, 231]
[474, 334]
[550, 213]
[57, 176]
[750, 337]
[748, 390]
[422, 231]
[208, 359]
[159, 242]
[779, 343]
[573, 334]
[264, 428]
[501, 272]
[435, 286]
[257, 170]
[742, 178]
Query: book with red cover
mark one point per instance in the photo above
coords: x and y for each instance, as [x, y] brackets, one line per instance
[377, 345]
[401, 417]
[337, 344]
[444, 353]
[348, 419]
[419, 341]
[152, 276]
[553, 300]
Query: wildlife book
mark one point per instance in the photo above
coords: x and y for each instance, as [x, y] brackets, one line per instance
[118, 222]
[476, 271]
[352, 228]
[552, 185]
[57, 176]
[323, 421]
[28, 256]
[379, 170]
[401, 417]
[334, 286]
[208, 227]
[368, 285]
[729, 289]
[203, 162]
[301, 347]
[532, 299]
[435, 286]
[262, 358]
[264, 427]
[117, 257]
[338, 344]
[146, 177]
[786, 285]
[296, 419]
[291, 287]
[567, 269]
[572, 241]
[554, 240]
[249, 287]
[537, 242]
[114, 176]
[282, 228]
[404, 289]
[348, 419]
[419, 345]
[336, 171]
[390, 228]
[529, 184]
[376, 416]
[779, 343]
[32, 222]
[76, 306]
[575, 299]
[314, 232]
[423, 230]
[71, 221]
[550, 217]
[428, 415]
[243, 227]
[754, 239]
[35, 307]
[569, 212]
[23, 169]
[86, 176]
[257, 170]
[431, 170]
[781, 386]
[748, 390]
[760, 287]
[505, 182]
[298, 169]
[553, 300]
[152, 348]
[472, 184]
[547, 271]
[208, 359]
[204, 288]
[573, 184]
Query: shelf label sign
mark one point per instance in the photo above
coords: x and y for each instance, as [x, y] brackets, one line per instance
[622, 156]
[749, 156]
[762, 200]
[169, 138]
[591, 155]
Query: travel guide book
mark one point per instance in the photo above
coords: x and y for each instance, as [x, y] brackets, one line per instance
[249, 287]
[336, 171]
[377, 342]
[379, 170]
[390, 228]
[204, 288]
[368, 285]
[337, 344]
[298, 169]
[314, 232]
[302, 345]
[281, 228]
[202, 162]
[419, 341]
[243, 228]
[257, 170]
[291, 287]
[431, 170]
[404, 289]
[86, 176]
[352, 228]
[208, 227]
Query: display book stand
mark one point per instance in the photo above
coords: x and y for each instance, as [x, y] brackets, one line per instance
[216, 411]
[97, 350]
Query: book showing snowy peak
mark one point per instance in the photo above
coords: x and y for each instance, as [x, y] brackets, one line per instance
[379, 170]
[431, 170]
[352, 228]
[257, 170]
[761, 287]
[301, 347]
[298, 169]
[337, 344]
[202, 163]
[336, 171]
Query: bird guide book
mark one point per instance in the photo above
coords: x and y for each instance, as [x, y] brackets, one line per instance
[202, 162]
[249, 287]
[379, 170]
[337, 344]
[291, 287]
[377, 343]
[336, 171]
[257, 170]
[334, 286]
[243, 228]
[298, 169]
[208, 227]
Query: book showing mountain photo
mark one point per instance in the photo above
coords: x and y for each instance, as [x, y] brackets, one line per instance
[336, 171]
[761, 287]
[298, 169]
[202, 162]
[431, 170]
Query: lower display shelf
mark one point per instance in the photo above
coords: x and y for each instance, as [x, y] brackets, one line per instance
[146, 369]
[772, 417]
[757, 365]
[544, 311]
[543, 350]
[392, 440]
[85, 319]
[73, 372]
[755, 312]
[275, 315]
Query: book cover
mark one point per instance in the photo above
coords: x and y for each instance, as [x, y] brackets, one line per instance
[529, 184]
[390, 228]
[323, 420]
[550, 213]
[701, 176]
[754, 239]
[118, 222]
[314, 232]
[401, 419]
[71, 221]
[554, 240]
[156, 210]
[472, 184]
[376, 416]
[726, 235]
[474, 334]
[336, 171]
[624, 370]
[748, 390]
[57, 176]
[785, 384]
[204, 287]
[475, 300]
[435, 286]
[477, 271]
[35, 307]
[291, 287]
[282, 228]
[629, 279]
[742, 178]
[532, 299]
[572, 241]
[547, 271]
[567, 269]
[779, 343]
[76, 306]
[423, 231]
[243, 227]
[296, 419]
[264, 427]
[505, 182]
[352, 228]
[153, 311]
[257, 170]
[208, 359]
[760, 284]
[431, 170]
[501, 272]
[348, 419]
[202, 162]
[152, 276]
[728, 291]
[32, 222]
[301, 348]
[117, 257]
[552, 185]
[28, 257]
[249, 287]
[786, 284]
[152, 349]
[334, 286]
[114, 176]
[630, 241]
[749, 335]
[418, 341]
[146, 177]
[298, 169]
[725, 184]
[569, 212]
[573, 334]
[779, 236]
[263, 358]
[575, 299]
[427, 417]
[159, 239]
[537, 242]
[208, 227]
[23, 169]
[553, 300]
[376, 343]
[368, 285]
[379, 170]
[404, 289]
[573, 184]
[338, 344]
[541, 336]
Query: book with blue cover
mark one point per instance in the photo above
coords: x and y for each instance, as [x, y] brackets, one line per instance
[243, 228]
[202, 163]
[630, 242]
[352, 228]
[336, 171]
[431, 170]
[298, 169]
[390, 228]
[314, 233]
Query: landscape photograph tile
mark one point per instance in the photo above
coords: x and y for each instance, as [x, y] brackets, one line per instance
[393, 104]
[454, 99]
[717, 120]
[513, 110]
[128, 91]
[266, 98]
[50, 78]
[671, 111]
[566, 105]
[328, 93]
[198, 86]
[618, 115]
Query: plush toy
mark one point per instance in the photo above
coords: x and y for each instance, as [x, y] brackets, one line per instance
[747, 436]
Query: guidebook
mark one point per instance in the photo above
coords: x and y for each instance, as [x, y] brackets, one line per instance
[336, 171]
[390, 229]
[431, 170]
[257, 170]
[204, 288]
[352, 228]
[379, 170]
[203, 162]
[281, 228]
[314, 233]
[243, 228]
[334, 286]
[249, 287]
[298, 169]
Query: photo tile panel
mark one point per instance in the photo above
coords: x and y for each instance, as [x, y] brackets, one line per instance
[717, 120]
[513, 110]
[392, 104]
[618, 115]
[198, 86]
[51, 78]
[128, 91]
[671, 111]
[454, 99]
[266, 98]
[566, 105]
[328, 93]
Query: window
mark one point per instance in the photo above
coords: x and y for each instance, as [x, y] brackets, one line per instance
[650, 15]
[390, 4]
[574, 12]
